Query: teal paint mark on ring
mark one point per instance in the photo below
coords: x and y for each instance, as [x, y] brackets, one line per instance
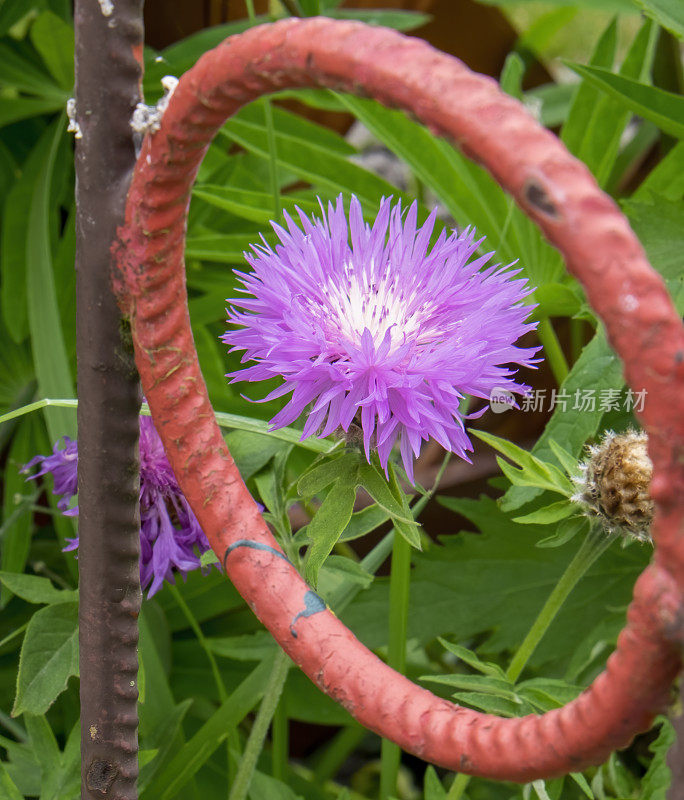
[313, 604]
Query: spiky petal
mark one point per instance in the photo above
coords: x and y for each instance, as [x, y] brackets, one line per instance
[374, 324]
[171, 540]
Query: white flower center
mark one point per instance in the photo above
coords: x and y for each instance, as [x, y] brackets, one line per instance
[377, 304]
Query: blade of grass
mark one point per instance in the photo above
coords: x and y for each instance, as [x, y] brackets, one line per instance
[47, 341]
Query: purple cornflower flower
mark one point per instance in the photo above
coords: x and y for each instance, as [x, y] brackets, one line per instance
[171, 539]
[373, 324]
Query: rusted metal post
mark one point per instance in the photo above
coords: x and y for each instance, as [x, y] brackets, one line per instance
[108, 50]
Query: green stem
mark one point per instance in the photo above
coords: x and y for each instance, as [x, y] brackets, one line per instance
[594, 545]
[337, 752]
[273, 158]
[400, 582]
[255, 743]
[270, 136]
[552, 350]
[185, 608]
[280, 742]
[373, 561]
[576, 338]
[232, 738]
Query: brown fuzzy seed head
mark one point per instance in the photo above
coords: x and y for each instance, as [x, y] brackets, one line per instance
[615, 484]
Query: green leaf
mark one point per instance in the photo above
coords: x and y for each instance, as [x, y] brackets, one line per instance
[363, 522]
[659, 224]
[581, 781]
[252, 451]
[308, 160]
[565, 532]
[432, 786]
[8, 787]
[338, 572]
[17, 525]
[12, 11]
[193, 755]
[54, 40]
[248, 647]
[264, 786]
[14, 109]
[489, 587]
[250, 205]
[180, 56]
[664, 109]
[538, 35]
[586, 99]
[597, 367]
[22, 73]
[227, 248]
[330, 520]
[617, 6]
[548, 514]
[472, 659]
[547, 693]
[532, 472]
[478, 683]
[377, 487]
[49, 657]
[399, 20]
[13, 261]
[512, 75]
[34, 589]
[666, 179]
[555, 300]
[491, 704]
[47, 342]
[555, 100]
[469, 193]
[656, 781]
[667, 13]
[45, 747]
[565, 459]
[601, 141]
[322, 475]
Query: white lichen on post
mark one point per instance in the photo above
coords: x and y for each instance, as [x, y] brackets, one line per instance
[107, 7]
[148, 118]
[73, 126]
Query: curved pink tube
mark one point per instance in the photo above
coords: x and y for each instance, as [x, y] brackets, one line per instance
[558, 192]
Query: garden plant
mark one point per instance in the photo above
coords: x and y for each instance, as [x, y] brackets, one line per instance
[365, 323]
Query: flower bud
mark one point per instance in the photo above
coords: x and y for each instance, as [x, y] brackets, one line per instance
[614, 484]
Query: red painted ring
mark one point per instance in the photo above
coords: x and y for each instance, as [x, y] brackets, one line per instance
[558, 192]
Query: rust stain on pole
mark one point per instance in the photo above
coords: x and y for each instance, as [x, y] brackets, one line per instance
[108, 36]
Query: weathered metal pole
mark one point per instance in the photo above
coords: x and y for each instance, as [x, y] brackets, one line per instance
[109, 36]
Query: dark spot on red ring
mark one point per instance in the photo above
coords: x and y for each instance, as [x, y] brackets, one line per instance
[539, 199]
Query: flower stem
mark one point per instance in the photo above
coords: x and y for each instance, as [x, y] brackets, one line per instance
[232, 739]
[552, 350]
[577, 328]
[255, 743]
[400, 580]
[185, 608]
[594, 545]
[280, 742]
